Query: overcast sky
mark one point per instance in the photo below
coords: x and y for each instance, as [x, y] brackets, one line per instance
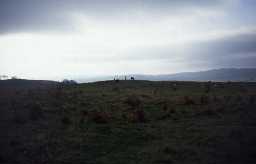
[55, 39]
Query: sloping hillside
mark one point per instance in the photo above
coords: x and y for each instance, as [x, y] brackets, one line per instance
[23, 84]
[127, 122]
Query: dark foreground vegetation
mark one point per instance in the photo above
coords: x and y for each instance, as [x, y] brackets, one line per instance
[127, 122]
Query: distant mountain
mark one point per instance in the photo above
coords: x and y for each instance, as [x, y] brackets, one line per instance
[225, 74]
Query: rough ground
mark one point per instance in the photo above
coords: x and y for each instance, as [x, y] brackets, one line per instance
[128, 122]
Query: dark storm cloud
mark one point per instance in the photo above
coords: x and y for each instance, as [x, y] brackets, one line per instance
[223, 47]
[47, 15]
[238, 50]
[232, 51]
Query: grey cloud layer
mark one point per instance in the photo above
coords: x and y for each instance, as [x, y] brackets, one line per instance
[232, 50]
[237, 50]
[45, 15]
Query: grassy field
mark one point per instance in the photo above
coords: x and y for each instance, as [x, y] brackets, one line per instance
[129, 122]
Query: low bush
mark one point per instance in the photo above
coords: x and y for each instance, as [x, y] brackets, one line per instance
[137, 116]
[19, 119]
[35, 111]
[133, 101]
[66, 120]
[165, 106]
[204, 99]
[208, 112]
[188, 101]
[99, 117]
[140, 116]
[252, 99]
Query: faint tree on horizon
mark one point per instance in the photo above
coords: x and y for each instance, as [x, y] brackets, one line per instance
[69, 82]
[14, 77]
[3, 77]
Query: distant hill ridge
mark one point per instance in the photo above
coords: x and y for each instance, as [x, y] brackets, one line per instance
[224, 74]
[23, 83]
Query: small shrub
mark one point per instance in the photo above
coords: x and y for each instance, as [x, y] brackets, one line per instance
[83, 103]
[208, 112]
[137, 116]
[124, 116]
[174, 87]
[169, 114]
[165, 106]
[154, 92]
[215, 98]
[129, 117]
[208, 86]
[236, 134]
[84, 112]
[166, 116]
[58, 92]
[227, 98]
[14, 143]
[172, 111]
[239, 99]
[140, 114]
[81, 122]
[188, 101]
[99, 117]
[35, 111]
[116, 89]
[183, 111]
[204, 99]
[252, 99]
[66, 120]
[69, 107]
[220, 109]
[18, 119]
[134, 102]
[169, 150]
